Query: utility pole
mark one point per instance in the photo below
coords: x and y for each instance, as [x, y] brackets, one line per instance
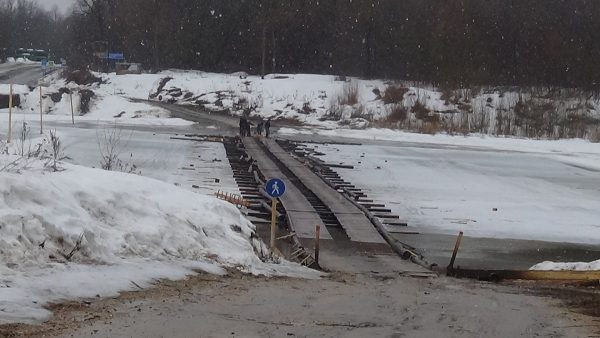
[264, 50]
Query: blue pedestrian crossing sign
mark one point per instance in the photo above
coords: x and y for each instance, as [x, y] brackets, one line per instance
[275, 187]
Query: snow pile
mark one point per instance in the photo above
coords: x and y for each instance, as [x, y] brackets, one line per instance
[20, 60]
[572, 266]
[16, 90]
[82, 232]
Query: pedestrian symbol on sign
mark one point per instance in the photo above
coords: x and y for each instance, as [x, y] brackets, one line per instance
[275, 187]
[275, 190]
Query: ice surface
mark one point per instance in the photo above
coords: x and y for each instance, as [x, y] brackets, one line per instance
[483, 192]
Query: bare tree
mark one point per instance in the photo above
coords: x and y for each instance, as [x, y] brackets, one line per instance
[111, 145]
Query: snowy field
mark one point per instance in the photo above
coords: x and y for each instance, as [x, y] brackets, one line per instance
[544, 195]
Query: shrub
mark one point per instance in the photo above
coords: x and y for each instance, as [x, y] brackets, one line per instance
[86, 97]
[80, 77]
[394, 94]
[349, 95]
[306, 108]
[447, 95]
[335, 113]
[359, 112]
[431, 128]
[397, 113]
[421, 112]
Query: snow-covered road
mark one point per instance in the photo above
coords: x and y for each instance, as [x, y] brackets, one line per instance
[24, 74]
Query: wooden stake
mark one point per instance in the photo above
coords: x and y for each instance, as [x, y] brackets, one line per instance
[72, 111]
[41, 113]
[10, 103]
[456, 246]
[317, 242]
[273, 221]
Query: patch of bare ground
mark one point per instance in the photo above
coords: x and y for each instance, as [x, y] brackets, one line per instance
[70, 316]
[354, 305]
[581, 297]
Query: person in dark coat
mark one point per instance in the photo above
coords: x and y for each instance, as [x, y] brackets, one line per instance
[248, 126]
[268, 127]
[259, 127]
[243, 123]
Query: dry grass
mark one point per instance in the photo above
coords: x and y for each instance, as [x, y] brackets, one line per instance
[431, 128]
[349, 95]
[421, 112]
[80, 77]
[394, 94]
[397, 113]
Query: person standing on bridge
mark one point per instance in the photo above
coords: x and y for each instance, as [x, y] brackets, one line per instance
[268, 127]
[259, 127]
[243, 126]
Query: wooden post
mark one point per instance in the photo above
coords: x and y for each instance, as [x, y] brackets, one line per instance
[456, 246]
[273, 221]
[317, 242]
[72, 111]
[10, 103]
[41, 112]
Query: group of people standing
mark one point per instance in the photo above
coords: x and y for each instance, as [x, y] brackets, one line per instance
[261, 126]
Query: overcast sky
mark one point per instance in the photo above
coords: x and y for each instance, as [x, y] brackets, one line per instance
[63, 5]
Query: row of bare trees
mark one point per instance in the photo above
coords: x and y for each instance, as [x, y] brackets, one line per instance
[23, 24]
[448, 42]
[456, 43]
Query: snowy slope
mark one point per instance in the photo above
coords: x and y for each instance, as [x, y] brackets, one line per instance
[105, 106]
[129, 229]
[333, 102]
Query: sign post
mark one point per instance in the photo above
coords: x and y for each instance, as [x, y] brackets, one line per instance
[275, 188]
[72, 111]
[44, 63]
[10, 104]
[41, 112]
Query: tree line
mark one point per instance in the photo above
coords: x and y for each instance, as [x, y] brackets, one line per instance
[455, 43]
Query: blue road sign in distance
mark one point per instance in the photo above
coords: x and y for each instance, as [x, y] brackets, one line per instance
[116, 56]
[275, 187]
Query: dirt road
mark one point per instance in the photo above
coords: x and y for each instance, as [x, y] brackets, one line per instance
[362, 305]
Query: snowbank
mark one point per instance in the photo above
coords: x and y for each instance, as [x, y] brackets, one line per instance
[17, 89]
[20, 60]
[83, 232]
[573, 266]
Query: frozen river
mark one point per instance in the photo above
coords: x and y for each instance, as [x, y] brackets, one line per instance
[515, 208]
